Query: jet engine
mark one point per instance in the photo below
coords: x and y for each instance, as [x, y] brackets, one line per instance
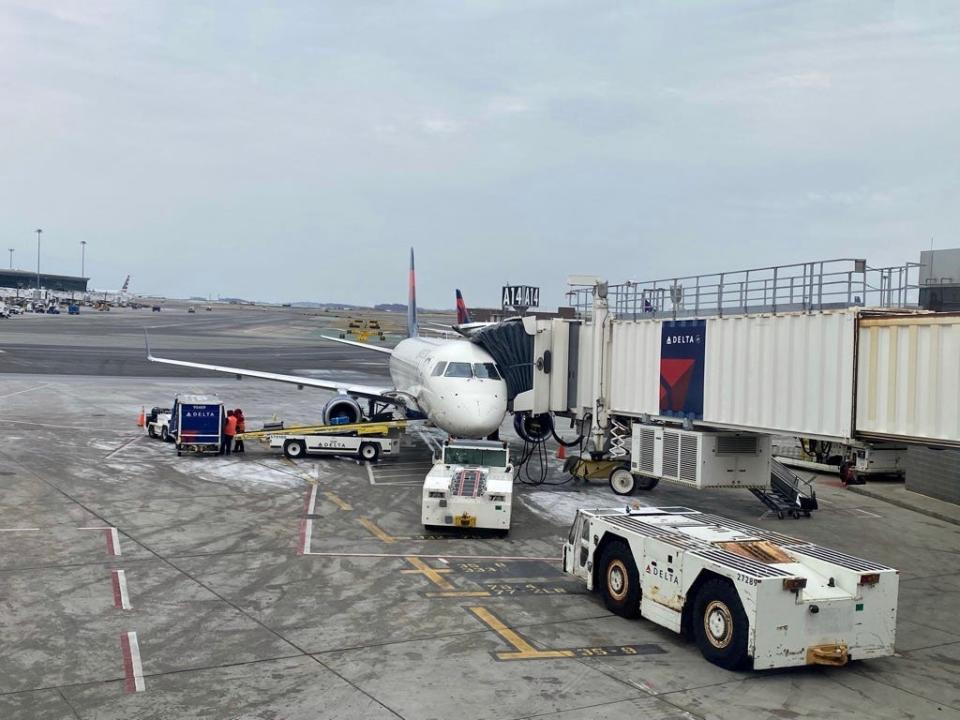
[342, 410]
[533, 428]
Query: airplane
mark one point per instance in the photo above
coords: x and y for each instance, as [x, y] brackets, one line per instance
[120, 296]
[453, 383]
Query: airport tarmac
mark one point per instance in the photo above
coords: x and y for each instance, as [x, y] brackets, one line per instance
[136, 584]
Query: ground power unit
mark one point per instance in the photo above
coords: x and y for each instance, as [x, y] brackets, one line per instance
[701, 459]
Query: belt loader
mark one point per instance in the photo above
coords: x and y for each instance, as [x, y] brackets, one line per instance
[746, 595]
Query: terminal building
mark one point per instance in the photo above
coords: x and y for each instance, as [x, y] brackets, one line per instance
[25, 280]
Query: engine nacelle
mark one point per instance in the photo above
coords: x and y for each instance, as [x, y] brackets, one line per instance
[342, 410]
[533, 428]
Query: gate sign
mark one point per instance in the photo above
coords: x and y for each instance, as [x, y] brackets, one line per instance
[521, 296]
[683, 346]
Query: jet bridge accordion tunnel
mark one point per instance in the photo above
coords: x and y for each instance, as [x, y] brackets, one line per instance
[848, 374]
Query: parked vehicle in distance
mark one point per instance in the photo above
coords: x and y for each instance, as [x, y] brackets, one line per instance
[155, 308]
[196, 423]
[191, 309]
[53, 310]
[73, 309]
[158, 423]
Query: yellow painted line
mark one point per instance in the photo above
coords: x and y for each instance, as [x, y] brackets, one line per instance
[458, 594]
[376, 530]
[524, 650]
[340, 503]
[432, 574]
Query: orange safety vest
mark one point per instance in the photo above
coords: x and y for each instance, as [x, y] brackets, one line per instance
[231, 427]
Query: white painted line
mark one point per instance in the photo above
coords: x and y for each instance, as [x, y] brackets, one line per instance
[308, 525]
[85, 428]
[121, 596]
[370, 473]
[136, 666]
[434, 557]
[21, 392]
[866, 512]
[114, 541]
[127, 444]
[19, 529]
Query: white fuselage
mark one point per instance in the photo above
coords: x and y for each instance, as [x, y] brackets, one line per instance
[469, 407]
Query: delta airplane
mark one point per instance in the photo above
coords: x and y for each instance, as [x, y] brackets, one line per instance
[453, 383]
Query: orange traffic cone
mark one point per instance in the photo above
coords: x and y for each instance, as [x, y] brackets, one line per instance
[561, 453]
[142, 419]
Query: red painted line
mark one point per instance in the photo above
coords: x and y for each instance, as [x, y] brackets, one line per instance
[117, 598]
[110, 548]
[129, 684]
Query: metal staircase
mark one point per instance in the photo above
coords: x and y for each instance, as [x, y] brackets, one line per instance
[789, 494]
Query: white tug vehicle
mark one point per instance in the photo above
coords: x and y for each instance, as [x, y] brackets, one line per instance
[746, 595]
[469, 486]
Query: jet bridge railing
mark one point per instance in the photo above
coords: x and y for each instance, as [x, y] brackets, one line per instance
[799, 287]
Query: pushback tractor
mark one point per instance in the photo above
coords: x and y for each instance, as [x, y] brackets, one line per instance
[469, 486]
[747, 596]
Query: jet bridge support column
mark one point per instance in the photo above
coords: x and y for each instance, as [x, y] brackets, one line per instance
[600, 420]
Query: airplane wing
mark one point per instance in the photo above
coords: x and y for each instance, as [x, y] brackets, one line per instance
[382, 393]
[365, 346]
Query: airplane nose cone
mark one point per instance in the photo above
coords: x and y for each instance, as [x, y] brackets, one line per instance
[476, 416]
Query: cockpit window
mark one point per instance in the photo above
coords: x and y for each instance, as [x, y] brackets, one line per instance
[438, 369]
[485, 371]
[458, 370]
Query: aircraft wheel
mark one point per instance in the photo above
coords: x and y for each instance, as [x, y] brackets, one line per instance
[294, 449]
[369, 451]
[619, 580]
[720, 625]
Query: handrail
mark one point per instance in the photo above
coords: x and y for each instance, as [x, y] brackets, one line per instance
[804, 287]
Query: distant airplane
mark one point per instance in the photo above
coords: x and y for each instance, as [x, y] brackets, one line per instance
[121, 295]
[453, 383]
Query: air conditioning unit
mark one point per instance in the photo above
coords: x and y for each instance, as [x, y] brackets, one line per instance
[699, 458]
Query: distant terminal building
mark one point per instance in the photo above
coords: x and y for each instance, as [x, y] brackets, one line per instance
[25, 280]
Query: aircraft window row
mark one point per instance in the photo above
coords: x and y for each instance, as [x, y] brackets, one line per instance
[458, 370]
[481, 371]
[486, 371]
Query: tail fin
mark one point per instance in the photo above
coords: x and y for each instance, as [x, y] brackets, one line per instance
[126, 284]
[463, 315]
[412, 329]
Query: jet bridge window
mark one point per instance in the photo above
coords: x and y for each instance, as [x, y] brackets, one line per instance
[438, 369]
[485, 371]
[458, 370]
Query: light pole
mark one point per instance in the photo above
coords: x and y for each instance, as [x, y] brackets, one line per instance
[83, 251]
[11, 258]
[39, 230]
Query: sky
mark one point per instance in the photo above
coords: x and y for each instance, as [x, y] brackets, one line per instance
[296, 151]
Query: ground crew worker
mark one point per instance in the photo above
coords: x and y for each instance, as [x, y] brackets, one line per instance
[229, 430]
[241, 428]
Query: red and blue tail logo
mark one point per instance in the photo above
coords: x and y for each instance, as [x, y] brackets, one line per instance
[463, 315]
[412, 329]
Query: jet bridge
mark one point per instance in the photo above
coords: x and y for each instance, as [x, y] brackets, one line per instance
[830, 350]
